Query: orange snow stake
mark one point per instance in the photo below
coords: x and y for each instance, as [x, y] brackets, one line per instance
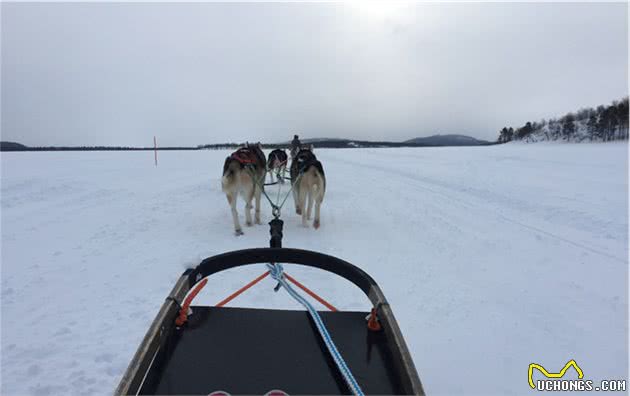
[183, 312]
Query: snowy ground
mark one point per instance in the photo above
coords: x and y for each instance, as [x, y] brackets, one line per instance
[492, 257]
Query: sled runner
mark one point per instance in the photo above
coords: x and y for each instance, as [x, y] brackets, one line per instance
[254, 351]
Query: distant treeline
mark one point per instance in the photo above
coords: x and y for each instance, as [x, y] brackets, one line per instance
[604, 123]
[332, 143]
[324, 143]
[11, 146]
[336, 143]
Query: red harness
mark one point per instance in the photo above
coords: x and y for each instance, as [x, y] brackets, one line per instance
[244, 156]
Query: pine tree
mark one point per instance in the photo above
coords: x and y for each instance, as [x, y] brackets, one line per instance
[591, 127]
[622, 118]
[504, 135]
[568, 126]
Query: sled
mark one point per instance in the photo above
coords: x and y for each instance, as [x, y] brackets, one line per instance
[255, 351]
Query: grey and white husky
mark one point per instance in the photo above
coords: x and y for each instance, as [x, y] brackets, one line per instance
[244, 174]
[309, 184]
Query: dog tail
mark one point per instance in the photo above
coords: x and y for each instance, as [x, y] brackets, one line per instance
[319, 186]
[229, 172]
[321, 189]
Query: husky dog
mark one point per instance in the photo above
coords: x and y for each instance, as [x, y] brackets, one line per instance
[244, 172]
[294, 151]
[277, 163]
[309, 182]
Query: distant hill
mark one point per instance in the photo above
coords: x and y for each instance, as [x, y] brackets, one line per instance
[435, 140]
[12, 146]
[447, 140]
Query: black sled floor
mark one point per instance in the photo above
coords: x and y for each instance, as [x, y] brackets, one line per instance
[254, 351]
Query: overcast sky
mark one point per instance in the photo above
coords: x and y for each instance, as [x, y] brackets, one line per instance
[117, 74]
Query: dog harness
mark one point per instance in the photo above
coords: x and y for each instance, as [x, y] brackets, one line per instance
[304, 160]
[277, 154]
[244, 156]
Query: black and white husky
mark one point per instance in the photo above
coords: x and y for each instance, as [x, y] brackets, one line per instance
[309, 183]
[244, 173]
[277, 164]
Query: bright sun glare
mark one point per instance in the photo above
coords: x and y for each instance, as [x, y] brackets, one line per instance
[380, 9]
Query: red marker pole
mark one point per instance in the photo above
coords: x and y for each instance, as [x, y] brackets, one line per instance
[155, 149]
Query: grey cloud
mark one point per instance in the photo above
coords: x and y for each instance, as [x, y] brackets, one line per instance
[91, 74]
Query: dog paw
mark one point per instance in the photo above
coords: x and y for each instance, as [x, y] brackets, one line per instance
[316, 224]
[238, 232]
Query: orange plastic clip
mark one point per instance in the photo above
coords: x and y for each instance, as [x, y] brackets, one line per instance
[373, 323]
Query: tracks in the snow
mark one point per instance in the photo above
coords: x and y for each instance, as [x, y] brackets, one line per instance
[476, 200]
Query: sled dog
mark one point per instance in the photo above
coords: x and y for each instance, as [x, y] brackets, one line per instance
[244, 174]
[309, 183]
[277, 163]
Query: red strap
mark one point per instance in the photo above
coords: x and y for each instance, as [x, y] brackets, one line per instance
[311, 293]
[183, 312]
[242, 289]
[243, 156]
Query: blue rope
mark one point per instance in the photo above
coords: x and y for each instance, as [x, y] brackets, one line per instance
[276, 271]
